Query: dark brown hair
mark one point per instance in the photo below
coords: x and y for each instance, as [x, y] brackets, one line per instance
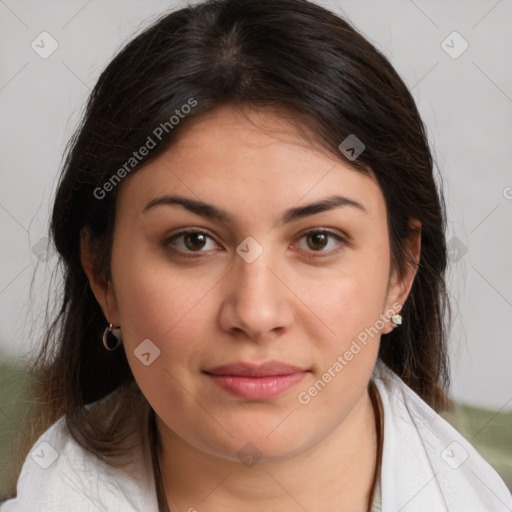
[291, 55]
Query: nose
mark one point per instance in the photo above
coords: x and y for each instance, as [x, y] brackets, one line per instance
[258, 304]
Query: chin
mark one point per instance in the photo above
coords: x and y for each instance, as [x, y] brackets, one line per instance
[255, 445]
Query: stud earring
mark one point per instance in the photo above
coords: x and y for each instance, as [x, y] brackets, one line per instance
[112, 338]
[396, 320]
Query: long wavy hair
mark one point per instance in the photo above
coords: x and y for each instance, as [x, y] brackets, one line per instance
[290, 55]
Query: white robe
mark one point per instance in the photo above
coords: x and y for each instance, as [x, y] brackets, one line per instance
[427, 466]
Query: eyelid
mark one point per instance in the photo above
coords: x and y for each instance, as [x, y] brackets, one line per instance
[341, 238]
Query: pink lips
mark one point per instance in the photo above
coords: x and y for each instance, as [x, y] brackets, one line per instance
[256, 382]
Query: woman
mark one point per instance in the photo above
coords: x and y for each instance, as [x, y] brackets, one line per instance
[253, 310]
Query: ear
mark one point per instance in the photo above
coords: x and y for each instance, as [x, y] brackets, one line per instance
[102, 289]
[400, 285]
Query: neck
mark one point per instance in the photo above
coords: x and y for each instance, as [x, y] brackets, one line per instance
[338, 473]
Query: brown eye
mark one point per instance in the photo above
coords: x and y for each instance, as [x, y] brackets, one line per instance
[321, 241]
[317, 241]
[191, 241]
[195, 241]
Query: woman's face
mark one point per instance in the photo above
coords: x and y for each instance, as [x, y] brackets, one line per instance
[220, 258]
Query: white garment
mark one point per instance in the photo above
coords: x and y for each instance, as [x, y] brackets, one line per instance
[427, 466]
[59, 475]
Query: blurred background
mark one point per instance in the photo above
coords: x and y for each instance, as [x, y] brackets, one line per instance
[454, 56]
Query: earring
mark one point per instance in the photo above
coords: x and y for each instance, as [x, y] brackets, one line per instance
[396, 320]
[112, 337]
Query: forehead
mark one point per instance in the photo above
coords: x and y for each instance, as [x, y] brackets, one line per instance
[251, 161]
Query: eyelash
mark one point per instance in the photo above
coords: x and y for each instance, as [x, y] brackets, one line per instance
[167, 243]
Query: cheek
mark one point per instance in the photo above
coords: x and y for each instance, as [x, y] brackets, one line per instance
[162, 303]
[350, 310]
[173, 310]
[349, 300]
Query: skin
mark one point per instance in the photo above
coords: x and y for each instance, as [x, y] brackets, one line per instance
[293, 304]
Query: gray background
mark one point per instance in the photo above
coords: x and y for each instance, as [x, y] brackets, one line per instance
[466, 103]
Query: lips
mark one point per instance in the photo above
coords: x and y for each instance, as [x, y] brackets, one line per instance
[255, 370]
[256, 382]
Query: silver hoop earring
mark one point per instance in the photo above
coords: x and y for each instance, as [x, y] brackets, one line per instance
[112, 337]
[396, 320]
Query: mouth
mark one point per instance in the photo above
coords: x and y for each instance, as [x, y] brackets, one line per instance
[256, 382]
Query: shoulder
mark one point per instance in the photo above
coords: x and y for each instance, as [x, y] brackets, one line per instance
[60, 475]
[426, 464]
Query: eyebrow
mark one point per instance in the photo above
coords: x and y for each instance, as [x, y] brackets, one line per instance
[210, 211]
